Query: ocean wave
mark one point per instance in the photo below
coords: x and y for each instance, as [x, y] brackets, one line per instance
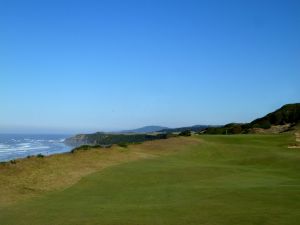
[19, 146]
[24, 149]
[22, 144]
[3, 146]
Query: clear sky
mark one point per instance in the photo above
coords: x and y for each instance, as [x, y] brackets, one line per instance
[82, 66]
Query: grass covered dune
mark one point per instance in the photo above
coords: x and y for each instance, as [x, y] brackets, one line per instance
[35, 176]
[209, 180]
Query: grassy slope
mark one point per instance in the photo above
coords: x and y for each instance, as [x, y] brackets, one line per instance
[36, 176]
[223, 180]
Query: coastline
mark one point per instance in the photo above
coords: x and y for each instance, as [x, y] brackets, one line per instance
[18, 146]
[30, 177]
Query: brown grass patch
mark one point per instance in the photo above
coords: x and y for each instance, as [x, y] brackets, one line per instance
[275, 129]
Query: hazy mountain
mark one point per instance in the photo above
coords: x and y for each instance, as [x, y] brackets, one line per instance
[146, 129]
[196, 128]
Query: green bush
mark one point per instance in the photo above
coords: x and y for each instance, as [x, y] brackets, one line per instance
[186, 133]
[237, 129]
[40, 155]
[88, 147]
[265, 124]
[123, 145]
[13, 161]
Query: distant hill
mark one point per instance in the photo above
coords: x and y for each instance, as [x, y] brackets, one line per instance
[278, 121]
[105, 139]
[147, 133]
[152, 129]
[288, 114]
[146, 129]
[196, 128]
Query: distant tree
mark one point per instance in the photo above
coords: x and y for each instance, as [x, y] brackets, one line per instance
[265, 124]
[40, 155]
[123, 145]
[13, 161]
[237, 129]
[186, 133]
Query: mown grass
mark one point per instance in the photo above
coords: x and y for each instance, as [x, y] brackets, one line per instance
[222, 180]
[35, 176]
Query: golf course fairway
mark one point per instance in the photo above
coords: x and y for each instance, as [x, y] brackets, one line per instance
[216, 180]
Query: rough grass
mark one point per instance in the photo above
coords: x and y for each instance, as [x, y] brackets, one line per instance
[35, 176]
[220, 180]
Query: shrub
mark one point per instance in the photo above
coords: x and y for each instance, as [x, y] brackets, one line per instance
[13, 161]
[81, 148]
[186, 133]
[40, 155]
[105, 146]
[237, 129]
[88, 147]
[265, 125]
[123, 145]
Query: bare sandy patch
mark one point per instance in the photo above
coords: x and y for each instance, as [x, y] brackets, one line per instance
[297, 136]
[275, 129]
[295, 146]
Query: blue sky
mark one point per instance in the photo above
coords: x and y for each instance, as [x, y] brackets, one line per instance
[83, 66]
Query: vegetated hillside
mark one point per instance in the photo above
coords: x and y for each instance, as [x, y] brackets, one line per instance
[288, 114]
[276, 122]
[196, 128]
[101, 138]
[146, 129]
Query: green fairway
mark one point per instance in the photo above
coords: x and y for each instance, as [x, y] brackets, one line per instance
[223, 180]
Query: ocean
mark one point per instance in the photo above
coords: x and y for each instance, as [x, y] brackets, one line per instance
[13, 146]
